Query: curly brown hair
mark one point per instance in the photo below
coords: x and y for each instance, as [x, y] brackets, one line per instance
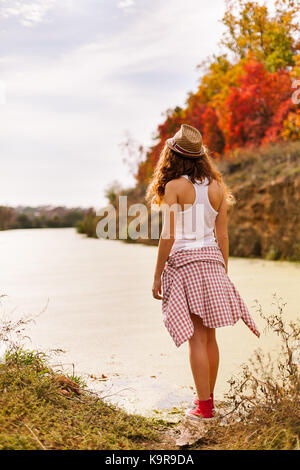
[171, 165]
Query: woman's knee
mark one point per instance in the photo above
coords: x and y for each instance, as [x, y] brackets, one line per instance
[200, 331]
[211, 336]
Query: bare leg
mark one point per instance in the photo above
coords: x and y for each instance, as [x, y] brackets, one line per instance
[213, 357]
[199, 358]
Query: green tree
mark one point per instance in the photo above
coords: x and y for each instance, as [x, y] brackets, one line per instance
[23, 221]
[112, 192]
[54, 222]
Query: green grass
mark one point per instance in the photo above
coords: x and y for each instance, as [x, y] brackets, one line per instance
[34, 415]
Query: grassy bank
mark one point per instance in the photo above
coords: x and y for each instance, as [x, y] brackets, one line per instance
[42, 409]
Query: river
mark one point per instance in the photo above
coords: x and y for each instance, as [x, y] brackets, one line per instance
[101, 312]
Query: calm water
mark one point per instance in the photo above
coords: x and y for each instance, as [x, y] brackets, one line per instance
[102, 313]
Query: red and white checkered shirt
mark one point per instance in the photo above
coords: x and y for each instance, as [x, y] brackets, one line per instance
[195, 281]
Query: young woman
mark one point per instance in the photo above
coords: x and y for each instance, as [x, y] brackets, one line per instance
[192, 263]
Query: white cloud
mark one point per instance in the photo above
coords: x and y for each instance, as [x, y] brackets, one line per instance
[27, 12]
[125, 4]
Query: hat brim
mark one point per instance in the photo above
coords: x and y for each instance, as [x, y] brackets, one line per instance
[169, 143]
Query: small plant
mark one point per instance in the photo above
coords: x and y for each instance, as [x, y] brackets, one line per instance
[26, 357]
[267, 381]
[78, 380]
[273, 254]
[12, 331]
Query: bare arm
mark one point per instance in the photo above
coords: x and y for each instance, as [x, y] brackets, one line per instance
[166, 240]
[222, 231]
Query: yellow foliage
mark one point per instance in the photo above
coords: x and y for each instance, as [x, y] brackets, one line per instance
[291, 126]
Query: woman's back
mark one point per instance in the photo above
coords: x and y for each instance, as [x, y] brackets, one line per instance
[196, 219]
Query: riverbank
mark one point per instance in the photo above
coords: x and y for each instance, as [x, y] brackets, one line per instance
[41, 409]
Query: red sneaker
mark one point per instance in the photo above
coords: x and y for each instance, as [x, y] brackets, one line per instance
[203, 411]
[196, 402]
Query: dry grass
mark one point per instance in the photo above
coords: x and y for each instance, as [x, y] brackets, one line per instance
[264, 399]
[262, 164]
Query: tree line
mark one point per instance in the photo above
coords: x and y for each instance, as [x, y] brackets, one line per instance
[40, 217]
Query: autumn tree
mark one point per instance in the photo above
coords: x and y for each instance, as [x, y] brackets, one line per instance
[252, 105]
[272, 38]
[244, 96]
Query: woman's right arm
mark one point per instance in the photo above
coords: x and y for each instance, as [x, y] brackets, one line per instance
[222, 231]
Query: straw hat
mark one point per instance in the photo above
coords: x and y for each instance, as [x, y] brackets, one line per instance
[187, 141]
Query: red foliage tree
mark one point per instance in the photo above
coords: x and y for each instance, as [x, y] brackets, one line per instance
[251, 107]
[274, 132]
[212, 134]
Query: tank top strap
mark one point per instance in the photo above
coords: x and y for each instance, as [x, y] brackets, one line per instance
[205, 181]
[201, 189]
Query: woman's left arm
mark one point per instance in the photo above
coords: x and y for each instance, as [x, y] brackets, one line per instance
[167, 237]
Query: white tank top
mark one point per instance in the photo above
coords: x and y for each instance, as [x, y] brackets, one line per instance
[195, 225]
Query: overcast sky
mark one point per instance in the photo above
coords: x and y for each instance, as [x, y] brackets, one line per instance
[75, 75]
